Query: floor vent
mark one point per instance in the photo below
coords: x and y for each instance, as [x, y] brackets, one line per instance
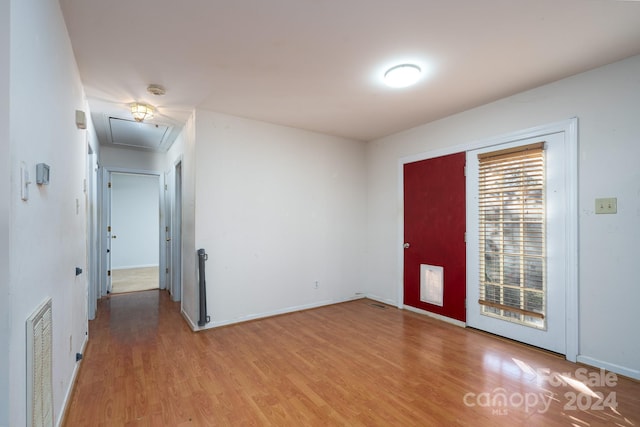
[380, 306]
[39, 367]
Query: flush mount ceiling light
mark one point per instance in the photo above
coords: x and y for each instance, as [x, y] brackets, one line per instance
[402, 75]
[140, 112]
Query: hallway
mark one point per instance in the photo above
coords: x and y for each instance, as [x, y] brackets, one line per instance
[356, 363]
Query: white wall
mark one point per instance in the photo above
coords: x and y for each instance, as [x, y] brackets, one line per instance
[605, 100]
[5, 191]
[176, 151]
[130, 158]
[135, 216]
[47, 232]
[277, 209]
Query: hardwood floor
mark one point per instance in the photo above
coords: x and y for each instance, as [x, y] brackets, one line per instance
[350, 364]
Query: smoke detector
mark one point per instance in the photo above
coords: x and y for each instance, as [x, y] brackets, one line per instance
[157, 90]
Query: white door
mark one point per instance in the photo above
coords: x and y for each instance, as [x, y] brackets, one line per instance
[548, 332]
[106, 233]
[168, 231]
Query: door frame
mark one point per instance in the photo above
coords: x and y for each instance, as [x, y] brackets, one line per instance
[92, 198]
[176, 231]
[570, 129]
[105, 236]
[454, 283]
[168, 231]
[173, 230]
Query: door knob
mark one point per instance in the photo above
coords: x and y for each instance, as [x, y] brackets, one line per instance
[406, 245]
[113, 237]
[168, 239]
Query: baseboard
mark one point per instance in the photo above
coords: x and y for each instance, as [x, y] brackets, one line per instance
[194, 327]
[250, 317]
[129, 267]
[220, 323]
[435, 316]
[622, 370]
[72, 385]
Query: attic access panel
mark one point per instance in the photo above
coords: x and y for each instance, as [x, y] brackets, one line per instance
[135, 134]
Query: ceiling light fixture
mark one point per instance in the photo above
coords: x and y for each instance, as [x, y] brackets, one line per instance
[402, 75]
[140, 112]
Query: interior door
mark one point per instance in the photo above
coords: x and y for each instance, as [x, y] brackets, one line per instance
[434, 235]
[552, 334]
[107, 233]
[176, 233]
[168, 232]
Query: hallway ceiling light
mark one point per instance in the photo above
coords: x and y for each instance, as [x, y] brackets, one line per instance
[140, 112]
[402, 75]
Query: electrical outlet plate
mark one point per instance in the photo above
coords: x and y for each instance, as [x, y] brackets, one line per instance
[607, 205]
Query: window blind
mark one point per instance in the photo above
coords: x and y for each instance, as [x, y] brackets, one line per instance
[512, 233]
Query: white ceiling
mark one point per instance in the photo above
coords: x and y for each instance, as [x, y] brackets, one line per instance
[318, 64]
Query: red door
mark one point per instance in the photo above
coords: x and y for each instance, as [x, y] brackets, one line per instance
[434, 227]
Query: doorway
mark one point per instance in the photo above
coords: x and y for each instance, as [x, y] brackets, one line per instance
[434, 226]
[173, 231]
[517, 248]
[133, 256]
[563, 309]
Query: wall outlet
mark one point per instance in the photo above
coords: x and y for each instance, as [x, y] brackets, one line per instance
[607, 206]
[316, 285]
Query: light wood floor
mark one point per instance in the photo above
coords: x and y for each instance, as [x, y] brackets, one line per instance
[350, 364]
[134, 279]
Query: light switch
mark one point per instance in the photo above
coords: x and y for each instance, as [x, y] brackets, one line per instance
[607, 206]
[24, 181]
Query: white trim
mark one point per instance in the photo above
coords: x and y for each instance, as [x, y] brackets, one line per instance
[167, 230]
[572, 327]
[400, 233]
[176, 268]
[193, 325]
[220, 323]
[92, 220]
[622, 370]
[72, 385]
[435, 316]
[570, 127]
[129, 267]
[103, 244]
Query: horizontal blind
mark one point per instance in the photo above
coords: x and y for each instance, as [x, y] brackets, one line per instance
[512, 232]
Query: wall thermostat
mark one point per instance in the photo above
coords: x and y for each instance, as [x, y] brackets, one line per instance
[42, 173]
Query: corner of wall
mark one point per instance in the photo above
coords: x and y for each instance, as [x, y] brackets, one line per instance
[5, 196]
